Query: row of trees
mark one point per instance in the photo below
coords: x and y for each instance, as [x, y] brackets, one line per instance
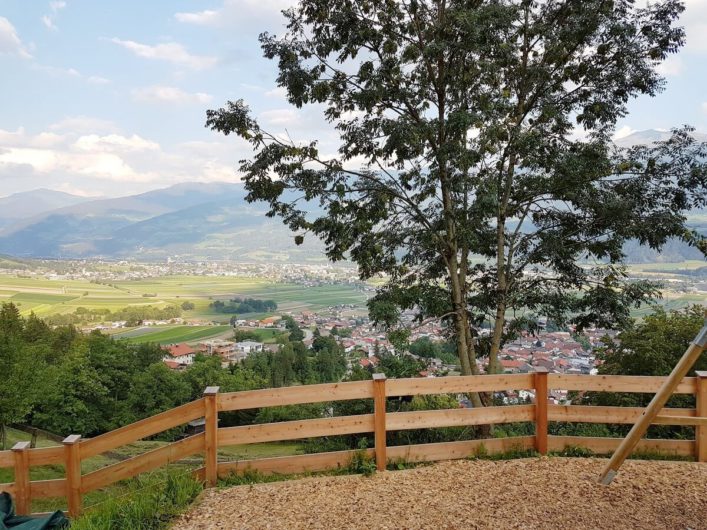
[243, 305]
[132, 315]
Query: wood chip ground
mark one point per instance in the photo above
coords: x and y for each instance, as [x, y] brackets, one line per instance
[536, 493]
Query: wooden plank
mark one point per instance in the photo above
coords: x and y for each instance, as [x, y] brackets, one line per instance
[617, 383]
[295, 430]
[211, 435]
[45, 456]
[427, 419]
[143, 428]
[619, 415]
[7, 459]
[680, 420]
[145, 462]
[541, 410]
[409, 453]
[457, 450]
[604, 446]
[291, 464]
[379, 420]
[701, 432]
[295, 395]
[46, 489]
[458, 384]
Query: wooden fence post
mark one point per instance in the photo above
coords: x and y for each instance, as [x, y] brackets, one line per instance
[541, 409]
[379, 420]
[72, 456]
[211, 435]
[701, 431]
[22, 487]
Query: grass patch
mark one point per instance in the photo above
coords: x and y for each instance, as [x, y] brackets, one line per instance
[150, 503]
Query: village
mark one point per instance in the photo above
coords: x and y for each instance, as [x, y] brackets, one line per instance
[363, 342]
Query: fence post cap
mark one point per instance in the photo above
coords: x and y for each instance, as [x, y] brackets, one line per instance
[379, 377]
[211, 390]
[541, 370]
[702, 374]
[21, 446]
[71, 439]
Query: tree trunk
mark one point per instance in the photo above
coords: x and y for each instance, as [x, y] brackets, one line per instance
[3, 436]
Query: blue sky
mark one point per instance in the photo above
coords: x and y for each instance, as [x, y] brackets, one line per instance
[109, 97]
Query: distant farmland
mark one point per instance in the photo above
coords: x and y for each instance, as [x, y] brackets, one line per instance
[47, 297]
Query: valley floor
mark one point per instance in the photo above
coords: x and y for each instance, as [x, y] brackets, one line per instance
[534, 493]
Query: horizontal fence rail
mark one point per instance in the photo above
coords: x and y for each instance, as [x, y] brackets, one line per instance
[74, 450]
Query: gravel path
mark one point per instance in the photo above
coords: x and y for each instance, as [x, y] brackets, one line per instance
[537, 493]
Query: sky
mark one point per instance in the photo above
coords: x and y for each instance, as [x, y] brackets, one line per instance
[108, 98]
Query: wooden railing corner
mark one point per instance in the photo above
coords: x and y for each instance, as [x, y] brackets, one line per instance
[211, 435]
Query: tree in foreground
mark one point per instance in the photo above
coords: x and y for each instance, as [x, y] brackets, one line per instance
[475, 167]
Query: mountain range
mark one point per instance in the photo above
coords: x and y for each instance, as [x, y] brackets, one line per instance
[193, 221]
[190, 220]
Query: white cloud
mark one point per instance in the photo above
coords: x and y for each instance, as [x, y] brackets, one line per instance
[278, 92]
[115, 143]
[171, 52]
[48, 22]
[671, 67]
[623, 132]
[167, 94]
[279, 116]
[83, 124]
[10, 43]
[695, 21]
[97, 80]
[71, 72]
[239, 13]
[206, 17]
[61, 157]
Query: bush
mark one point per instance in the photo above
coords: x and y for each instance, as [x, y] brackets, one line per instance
[151, 503]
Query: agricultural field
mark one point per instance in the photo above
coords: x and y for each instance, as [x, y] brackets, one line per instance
[174, 334]
[57, 296]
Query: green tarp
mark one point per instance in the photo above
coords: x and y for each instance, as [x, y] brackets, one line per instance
[8, 519]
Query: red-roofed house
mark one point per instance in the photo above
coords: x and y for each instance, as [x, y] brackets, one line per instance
[180, 353]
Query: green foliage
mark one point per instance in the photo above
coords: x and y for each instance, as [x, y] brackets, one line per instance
[362, 462]
[151, 503]
[652, 346]
[575, 452]
[132, 315]
[244, 305]
[482, 453]
[187, 306]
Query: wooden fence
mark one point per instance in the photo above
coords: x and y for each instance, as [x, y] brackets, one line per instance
[75, 449]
